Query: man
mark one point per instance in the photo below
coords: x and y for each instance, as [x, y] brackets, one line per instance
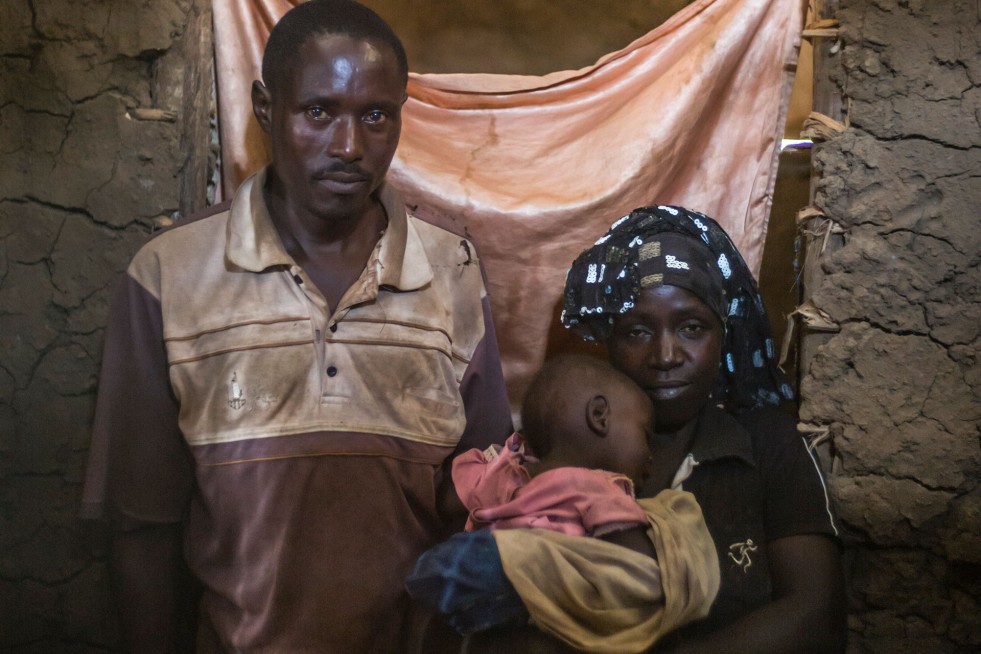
[283, 381]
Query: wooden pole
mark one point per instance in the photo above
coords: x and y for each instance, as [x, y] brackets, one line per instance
[827, 100]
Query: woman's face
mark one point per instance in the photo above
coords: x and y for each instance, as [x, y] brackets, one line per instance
[670, 343]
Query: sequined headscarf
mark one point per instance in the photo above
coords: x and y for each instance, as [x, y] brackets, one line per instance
[665, 245]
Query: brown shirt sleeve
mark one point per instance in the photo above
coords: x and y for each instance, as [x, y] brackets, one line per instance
[140, 470]
[484, 396]
[488, 412]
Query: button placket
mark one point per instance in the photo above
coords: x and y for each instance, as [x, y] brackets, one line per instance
[318, 319]
[330, 369]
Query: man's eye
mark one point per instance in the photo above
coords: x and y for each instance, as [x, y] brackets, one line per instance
[317, 113]
[375, 117]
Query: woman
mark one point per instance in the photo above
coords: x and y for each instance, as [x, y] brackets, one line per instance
[674, 302]
[680, 313]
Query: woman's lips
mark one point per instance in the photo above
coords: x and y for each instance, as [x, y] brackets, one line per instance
[666, 390]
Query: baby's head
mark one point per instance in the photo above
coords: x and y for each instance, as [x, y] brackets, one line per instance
[580, 411]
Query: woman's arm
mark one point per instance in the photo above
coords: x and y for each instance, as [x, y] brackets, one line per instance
[808, 610]
[635, 538]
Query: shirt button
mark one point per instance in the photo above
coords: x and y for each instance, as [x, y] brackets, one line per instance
[333, 327]
[331, 371]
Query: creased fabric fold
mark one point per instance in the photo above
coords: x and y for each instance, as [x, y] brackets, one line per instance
[603, 598]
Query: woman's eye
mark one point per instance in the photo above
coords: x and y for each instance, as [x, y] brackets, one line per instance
[637, 332]
[317, 113]
[692, 330]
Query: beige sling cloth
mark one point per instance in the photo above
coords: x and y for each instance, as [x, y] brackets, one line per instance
[536, 168]
[602, 598]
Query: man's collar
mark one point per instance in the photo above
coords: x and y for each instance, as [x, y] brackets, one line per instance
[254, 243]
[403, 263]
[719, 435]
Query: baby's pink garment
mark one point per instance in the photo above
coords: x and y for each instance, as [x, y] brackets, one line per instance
[500, 494]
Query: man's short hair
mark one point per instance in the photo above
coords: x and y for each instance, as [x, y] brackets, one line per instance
[317, 17]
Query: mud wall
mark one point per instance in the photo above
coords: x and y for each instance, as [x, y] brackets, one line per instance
[103, 137]
[899, 385]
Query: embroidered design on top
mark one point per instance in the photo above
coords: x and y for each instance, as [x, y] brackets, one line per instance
[652, 280]
[649, 250]
[724, 266]
[591, 274]
[672, 261]
[236, 397]
[744, 549]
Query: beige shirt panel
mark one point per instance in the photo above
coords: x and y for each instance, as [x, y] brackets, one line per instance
[250, 339]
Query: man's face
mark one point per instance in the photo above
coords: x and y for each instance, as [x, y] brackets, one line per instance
[334, 122]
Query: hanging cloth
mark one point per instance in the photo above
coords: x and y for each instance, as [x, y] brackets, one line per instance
[535, 168]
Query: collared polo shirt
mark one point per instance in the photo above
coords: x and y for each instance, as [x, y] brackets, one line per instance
[301, 443]
[756, 482]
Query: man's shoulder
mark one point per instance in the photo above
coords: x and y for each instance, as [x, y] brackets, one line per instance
[206, 212]
[189, 244]
[438, 231]
[446, 245]
[213, 216]
[189, 229]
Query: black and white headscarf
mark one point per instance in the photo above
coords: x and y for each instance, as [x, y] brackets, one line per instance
[666, 245]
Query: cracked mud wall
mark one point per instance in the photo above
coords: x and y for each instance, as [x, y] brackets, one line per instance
[899, 385]
[102, 130]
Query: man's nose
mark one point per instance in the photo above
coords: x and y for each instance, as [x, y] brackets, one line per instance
[345, 139]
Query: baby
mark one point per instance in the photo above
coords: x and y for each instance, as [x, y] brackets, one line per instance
[570, 472]
[572, 468]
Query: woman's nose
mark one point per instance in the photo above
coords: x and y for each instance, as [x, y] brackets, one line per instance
[666, 354]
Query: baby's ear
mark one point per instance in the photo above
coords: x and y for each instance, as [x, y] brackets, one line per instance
[598, 415]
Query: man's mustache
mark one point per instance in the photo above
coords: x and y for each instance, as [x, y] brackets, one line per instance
[340, 167]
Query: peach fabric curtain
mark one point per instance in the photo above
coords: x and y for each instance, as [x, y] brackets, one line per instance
[536, 168]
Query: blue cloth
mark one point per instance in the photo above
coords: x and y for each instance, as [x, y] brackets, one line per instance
[462, 578]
